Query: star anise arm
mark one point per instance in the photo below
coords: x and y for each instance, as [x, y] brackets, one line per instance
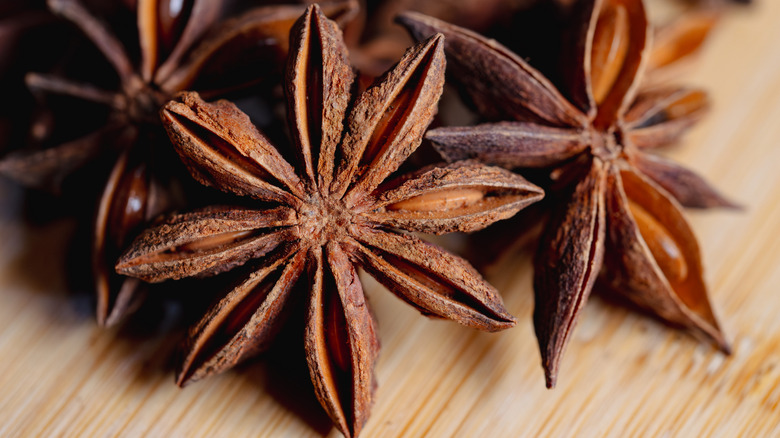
[222, 148]
[568, 261]
[660, 117]
[687, 187]
[577, 81]
[678, 40]
[614, 54]
[244, 322]
[318, 88]
[432, 280]
[97, 32]
[653, 258]
[40, 82]
[388, 120]
[47, 168]
[341, 341]
[464, 196]
[129, 199]
[233, 55]
[509, 144]
[206, 242]
[164, 35]
[505, 84]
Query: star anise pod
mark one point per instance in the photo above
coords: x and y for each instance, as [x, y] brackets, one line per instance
[182, 46]
[619, 211]
[681, 37]
[327, 216]
[30, 38]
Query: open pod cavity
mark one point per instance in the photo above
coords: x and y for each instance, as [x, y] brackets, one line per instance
[433, 281]
[341, 340]
[463, 196]
[654, 258]
[244, 322]
[205, 242]
[660, 117]
[222, 148]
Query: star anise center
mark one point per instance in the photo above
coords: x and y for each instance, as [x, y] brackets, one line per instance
[143, 101]
[323, 219]
[609, 145]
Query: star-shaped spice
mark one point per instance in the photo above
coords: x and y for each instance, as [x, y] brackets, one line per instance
[182, 46]
[315, 223]
[618, 211]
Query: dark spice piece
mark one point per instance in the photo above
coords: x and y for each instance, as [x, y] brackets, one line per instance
[618, 210]
[182, 46]
[316, 222]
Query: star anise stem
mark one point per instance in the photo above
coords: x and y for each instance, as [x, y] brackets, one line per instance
[39, 82]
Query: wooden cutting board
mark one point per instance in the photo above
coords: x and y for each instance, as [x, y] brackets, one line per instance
[624, 374]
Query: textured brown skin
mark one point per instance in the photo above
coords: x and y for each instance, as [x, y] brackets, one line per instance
[145, 85]
[328, 214]
[592, 144]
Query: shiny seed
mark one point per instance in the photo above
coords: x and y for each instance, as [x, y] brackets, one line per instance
[610, 47]
[214, 241]
[441, 200]
[666, 252]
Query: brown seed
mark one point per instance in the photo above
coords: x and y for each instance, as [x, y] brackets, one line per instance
[214, 241]
[596, 146]
[441, 200]
[663, 247]
[610, 46]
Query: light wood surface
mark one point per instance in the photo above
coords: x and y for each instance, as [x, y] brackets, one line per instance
[624, 374]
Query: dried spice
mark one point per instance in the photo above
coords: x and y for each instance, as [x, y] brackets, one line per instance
[680, 38]
[376, 42]
[618, 209]
[181, 47]
[30, 38]
[315, 223]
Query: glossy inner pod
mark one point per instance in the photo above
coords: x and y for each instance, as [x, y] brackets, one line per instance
[442, 208]
[462, 196]
[129, 199]
[668, 237]
[617, 46]
[442, 200]
[609, 49]
[662, 260]
[665, 250]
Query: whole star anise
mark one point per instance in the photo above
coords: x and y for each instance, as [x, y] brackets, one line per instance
[182, 46]
[619, 207]
[326, 216]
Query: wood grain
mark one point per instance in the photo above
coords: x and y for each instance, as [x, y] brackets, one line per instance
[624, 374]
